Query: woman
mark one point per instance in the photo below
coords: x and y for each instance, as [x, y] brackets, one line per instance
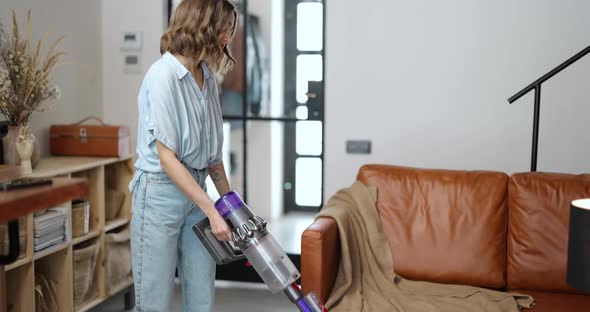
[179, 142]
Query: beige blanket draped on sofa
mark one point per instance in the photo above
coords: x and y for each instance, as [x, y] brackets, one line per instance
[366, 280]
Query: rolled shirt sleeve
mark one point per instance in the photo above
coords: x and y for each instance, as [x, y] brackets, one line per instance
[164, 122]
[217, 156]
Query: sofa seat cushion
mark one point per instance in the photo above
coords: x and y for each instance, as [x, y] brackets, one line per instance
[554, 302]
[443, 225]
[538, 228]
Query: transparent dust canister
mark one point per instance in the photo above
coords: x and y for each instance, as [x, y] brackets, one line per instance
[272, 264]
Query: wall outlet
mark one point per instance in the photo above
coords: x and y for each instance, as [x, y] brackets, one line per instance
[358, 147]
[131, 64]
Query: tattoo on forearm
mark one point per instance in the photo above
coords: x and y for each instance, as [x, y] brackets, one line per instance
[216, 176]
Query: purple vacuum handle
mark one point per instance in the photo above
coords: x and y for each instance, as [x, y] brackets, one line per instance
[310, 303]
[229, 203]
[303, 306]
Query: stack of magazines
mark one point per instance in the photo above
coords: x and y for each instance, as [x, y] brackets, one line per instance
[50, 228]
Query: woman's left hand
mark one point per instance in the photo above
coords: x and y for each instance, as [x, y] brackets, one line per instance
[219, 227]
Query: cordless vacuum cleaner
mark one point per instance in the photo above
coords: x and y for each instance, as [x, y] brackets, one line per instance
[252, 240]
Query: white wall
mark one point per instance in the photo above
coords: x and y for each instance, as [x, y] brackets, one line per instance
[79, 76]
[120, 89]
[427, 82]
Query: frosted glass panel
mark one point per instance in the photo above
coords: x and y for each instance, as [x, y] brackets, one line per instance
[301, 112]
[309, 26]
[308, 182]
[308, 138]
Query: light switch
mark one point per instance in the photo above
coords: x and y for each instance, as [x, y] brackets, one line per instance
[131, 41]
[358, 147]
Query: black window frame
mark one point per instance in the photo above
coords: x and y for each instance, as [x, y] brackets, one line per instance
[315, 113]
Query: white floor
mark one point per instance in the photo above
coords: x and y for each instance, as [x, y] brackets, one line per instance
[245, 297]
[229, 297]
[288, 229]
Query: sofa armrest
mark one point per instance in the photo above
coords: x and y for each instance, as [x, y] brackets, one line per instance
[320, 257]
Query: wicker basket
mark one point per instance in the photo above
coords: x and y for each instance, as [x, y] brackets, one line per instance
[45, 294]
[113, 203]
[118, 259]
[80, 217]
[22, 235]
[84, 265]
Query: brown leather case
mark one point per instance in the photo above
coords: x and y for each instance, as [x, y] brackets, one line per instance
[89, 140]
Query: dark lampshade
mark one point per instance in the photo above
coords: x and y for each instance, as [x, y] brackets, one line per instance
[578, 254]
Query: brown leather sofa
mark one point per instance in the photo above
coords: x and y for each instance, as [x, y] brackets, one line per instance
[477, 228]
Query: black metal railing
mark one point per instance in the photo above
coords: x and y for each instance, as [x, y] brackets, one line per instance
[537, 87]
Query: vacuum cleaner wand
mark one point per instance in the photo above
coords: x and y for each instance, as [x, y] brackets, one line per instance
[252, 240]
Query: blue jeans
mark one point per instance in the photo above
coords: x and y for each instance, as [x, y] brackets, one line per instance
[162, 240]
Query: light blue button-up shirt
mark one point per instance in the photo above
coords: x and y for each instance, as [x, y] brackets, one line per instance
[175, 111]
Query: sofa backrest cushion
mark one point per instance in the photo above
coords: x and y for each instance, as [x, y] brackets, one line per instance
[538, 228]
[443, 225]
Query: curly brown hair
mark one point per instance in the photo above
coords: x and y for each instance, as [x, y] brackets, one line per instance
[195, 31]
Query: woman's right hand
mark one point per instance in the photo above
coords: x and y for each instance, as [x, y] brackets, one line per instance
[219, 227]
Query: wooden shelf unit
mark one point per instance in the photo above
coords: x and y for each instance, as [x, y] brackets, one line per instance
[92, 234]
[117, 223]
[21, 293]
[57, 262]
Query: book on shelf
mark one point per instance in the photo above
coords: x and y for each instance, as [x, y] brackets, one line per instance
[60, 232]
[39, 247]
[52, 215]
[50, 228]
